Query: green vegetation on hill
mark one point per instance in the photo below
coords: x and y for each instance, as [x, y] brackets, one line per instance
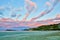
[47, 27]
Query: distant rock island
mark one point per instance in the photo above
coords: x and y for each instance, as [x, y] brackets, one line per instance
[9, 30]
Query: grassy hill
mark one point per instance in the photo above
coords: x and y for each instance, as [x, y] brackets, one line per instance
[46, 27]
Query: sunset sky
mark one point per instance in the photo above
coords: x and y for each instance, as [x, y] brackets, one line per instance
[20, 4]
[29, 10]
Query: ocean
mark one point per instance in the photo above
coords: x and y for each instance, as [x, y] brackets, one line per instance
[30, 35]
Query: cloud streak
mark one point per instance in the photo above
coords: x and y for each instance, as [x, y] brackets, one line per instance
[47, 11]
[11, 23]
[30, 7]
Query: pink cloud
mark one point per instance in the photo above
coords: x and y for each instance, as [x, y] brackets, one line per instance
[30, 6]
[31, 24]
[25, 17]
[48, 4]
[6, 19]
[47, 11]
[58, 16]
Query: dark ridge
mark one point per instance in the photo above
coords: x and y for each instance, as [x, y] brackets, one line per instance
[52, 27]
[9, 30]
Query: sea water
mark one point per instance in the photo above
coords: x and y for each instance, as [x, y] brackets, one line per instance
[30, 35]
